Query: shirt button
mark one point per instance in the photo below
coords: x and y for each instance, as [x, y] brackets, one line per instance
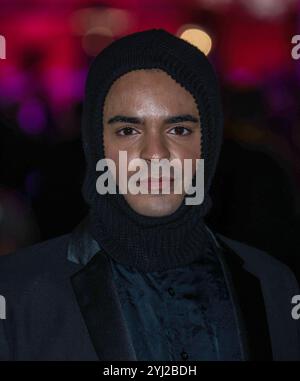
[171, 291]
[184, 355]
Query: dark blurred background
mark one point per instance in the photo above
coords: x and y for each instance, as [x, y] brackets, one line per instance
[49, 45]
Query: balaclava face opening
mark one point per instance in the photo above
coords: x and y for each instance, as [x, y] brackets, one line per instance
[150, 243]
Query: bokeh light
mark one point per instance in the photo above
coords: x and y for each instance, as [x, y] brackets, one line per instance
[96, 39]
[196, 37]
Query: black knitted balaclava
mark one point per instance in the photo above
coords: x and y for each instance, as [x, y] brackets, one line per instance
[150, 243]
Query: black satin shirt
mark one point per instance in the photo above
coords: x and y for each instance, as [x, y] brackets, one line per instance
[184, 313]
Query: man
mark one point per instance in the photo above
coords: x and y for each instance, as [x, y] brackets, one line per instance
[143, 277]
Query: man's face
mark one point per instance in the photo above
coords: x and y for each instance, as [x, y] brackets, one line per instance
[151, 116]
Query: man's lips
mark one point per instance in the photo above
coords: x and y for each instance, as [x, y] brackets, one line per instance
[156, 182]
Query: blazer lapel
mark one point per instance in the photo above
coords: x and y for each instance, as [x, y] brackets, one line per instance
[98, 301]
[248, 299]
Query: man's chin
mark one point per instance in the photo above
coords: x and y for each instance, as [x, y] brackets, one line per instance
[154, 205]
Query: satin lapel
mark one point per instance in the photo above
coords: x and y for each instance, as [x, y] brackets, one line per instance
[100, 307]
[248, 297]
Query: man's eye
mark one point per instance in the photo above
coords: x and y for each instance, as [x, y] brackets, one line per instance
[179, 130]
[126, 131]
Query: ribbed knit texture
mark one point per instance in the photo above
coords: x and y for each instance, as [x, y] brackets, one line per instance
[150, 243]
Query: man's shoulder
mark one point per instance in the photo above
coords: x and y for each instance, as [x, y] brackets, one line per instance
[259, 262]
[42, 259]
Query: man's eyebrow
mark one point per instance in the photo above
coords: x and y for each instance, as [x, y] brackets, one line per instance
[182, 118]
[124, 119]
[169, 120]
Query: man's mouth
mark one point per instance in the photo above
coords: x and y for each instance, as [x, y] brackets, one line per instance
[156, 183]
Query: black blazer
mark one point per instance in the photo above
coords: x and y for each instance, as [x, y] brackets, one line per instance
[61, 303]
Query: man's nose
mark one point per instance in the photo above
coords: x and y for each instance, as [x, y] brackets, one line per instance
[154, 147]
